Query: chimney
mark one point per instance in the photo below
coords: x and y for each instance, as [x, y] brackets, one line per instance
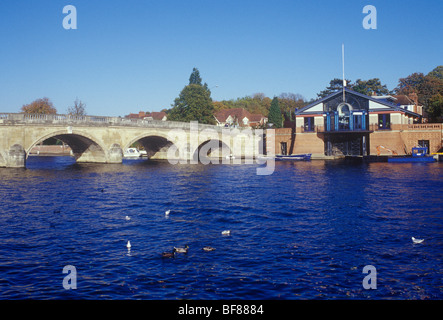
[413, 96]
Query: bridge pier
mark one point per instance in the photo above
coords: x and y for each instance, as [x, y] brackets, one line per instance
[94, 154]
[15, 157]
[115, 154]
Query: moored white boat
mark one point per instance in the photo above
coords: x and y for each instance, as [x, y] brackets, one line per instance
[132, 153]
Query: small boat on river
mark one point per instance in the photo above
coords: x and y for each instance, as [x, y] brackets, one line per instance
[296, 157]
[419, 154]
[134, 153]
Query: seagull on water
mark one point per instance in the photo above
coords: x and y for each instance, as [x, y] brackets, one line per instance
[128, 245]
[208, 248]
[414, 240]
[226, 232]
[167, 212]
[128, 218]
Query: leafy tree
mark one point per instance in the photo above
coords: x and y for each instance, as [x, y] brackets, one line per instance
[219, 105]
[275, 116]
[437, 72]
[42, 106]
[410, 84]
[424, 86]
[334, 85]
[194, 102]
[257, 103]
[368, 87]
[289, 102]
[435, 108]
[260, 103]
[430, 87]
[78, 109]
[429, 90]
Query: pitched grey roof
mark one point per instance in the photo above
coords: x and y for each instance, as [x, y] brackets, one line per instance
[383, 102]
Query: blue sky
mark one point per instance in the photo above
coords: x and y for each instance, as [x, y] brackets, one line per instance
[132, 55]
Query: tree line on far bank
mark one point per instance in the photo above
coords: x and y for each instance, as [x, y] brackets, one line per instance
[190, 105]
[195, 103]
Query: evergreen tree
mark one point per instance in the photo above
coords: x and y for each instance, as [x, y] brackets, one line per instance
[334, 85]
[194, 102]
[195, 77]
[275, 117]
[368, 87]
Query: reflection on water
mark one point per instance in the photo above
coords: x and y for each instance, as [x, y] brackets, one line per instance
[304, 232]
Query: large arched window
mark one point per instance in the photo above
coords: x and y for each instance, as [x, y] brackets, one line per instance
[344, 112]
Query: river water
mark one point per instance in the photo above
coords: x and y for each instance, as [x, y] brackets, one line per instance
[305, 232]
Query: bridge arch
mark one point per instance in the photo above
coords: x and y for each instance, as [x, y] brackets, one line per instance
[85, 148]
[212, 149]
[155, 144]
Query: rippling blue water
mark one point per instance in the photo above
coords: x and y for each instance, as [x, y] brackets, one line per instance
[304, 232]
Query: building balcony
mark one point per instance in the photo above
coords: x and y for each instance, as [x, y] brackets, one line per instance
[373, 127]
[323, 129]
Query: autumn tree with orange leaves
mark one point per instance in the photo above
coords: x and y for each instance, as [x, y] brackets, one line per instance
[41, 106]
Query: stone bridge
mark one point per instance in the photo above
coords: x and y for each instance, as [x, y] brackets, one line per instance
[103, 139]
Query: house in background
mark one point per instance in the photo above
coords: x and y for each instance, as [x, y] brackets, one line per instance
[350, 123]
[408, 102]
[161, 116]
[239, 117]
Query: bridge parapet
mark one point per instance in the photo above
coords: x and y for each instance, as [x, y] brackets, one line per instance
[66, 119]
[44, 118]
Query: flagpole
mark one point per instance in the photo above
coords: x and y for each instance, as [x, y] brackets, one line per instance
[343, 65]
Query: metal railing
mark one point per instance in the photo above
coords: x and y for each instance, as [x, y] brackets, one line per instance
[424, 126]
[322, 129]
[375, 127]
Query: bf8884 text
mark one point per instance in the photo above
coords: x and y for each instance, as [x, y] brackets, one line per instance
[242, 309]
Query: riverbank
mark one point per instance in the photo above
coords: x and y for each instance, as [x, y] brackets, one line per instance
[51, 150]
